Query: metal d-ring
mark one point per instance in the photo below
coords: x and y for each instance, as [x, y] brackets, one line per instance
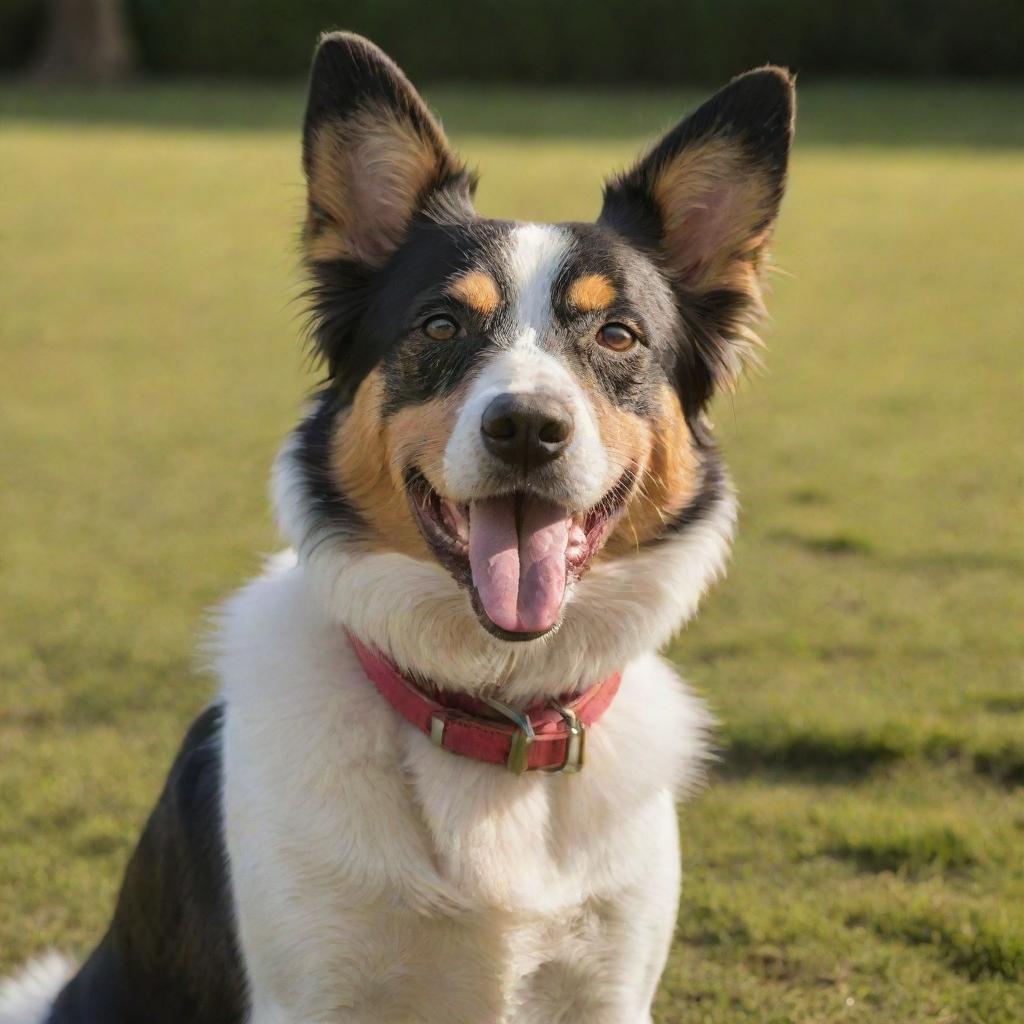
[519, 752]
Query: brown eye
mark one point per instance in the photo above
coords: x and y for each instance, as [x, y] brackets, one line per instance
[441, 328]
[617, 337]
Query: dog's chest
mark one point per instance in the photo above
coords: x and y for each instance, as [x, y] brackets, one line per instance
[443, 891]
[486, 968]
[378, 878]
[452, 912]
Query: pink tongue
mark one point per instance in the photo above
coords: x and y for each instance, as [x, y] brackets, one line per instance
[519, 575]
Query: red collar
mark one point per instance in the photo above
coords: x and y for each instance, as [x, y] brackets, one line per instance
[549, 737]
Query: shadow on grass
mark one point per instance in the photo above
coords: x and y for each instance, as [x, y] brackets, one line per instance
[915, 852]
[1003, 764]
[826, 544]
[875, 113]
[815, 758]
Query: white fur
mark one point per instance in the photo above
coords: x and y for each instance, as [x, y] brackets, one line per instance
[536, 254]
[379, 879]
[367, 864]
[28, 996]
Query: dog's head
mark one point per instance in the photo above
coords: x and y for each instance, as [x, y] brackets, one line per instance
[515, 404]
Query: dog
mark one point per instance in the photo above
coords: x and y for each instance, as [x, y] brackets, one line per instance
[439, 782]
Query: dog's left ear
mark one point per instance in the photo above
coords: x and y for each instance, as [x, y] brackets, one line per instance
[704, 201]
[373, 154]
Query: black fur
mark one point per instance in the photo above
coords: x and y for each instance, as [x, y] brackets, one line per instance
[170, 954]
[350, 74]
[411, 289]
[312, 458]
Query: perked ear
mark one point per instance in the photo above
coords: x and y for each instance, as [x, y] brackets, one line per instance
[704, 201]
[373, 155]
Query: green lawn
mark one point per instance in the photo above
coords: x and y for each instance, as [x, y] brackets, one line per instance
[858, 856]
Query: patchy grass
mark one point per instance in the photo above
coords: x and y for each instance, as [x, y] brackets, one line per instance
[979, 943]
[900, 844]
[857, 856]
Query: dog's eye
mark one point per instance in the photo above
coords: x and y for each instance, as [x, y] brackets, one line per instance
[617, 337]
[441, 328]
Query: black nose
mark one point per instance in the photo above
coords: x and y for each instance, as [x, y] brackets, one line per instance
[526, 430]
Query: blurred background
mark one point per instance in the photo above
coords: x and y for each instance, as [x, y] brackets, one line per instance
[587, 42]
[857, 856]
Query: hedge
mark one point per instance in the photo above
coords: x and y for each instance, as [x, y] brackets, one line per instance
[574, 41]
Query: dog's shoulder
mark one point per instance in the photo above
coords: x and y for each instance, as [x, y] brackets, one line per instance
[170, 953]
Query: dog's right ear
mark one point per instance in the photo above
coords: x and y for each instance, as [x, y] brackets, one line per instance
[373, 155]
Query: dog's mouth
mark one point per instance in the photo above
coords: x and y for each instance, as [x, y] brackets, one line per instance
[517, 552]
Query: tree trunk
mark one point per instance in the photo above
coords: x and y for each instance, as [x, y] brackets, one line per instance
[87, 41]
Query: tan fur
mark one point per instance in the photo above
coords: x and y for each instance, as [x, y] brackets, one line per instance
[668, 477]
[715, 172]
[478, 290]
[717, 213]
[626, 438]
[367, 177]
[417, 435]
[591, 292]
[368, 475]
[371, 455]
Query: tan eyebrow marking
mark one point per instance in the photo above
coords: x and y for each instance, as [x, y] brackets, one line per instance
[591, 292]
[477, 290]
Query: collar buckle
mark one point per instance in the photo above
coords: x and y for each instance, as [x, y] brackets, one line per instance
[522, 739]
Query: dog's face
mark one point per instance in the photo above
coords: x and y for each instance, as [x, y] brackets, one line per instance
[516, 402]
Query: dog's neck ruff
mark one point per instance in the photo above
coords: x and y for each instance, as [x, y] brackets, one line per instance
[547, 737]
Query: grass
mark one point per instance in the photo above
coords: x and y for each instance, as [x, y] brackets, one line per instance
[857, 856]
